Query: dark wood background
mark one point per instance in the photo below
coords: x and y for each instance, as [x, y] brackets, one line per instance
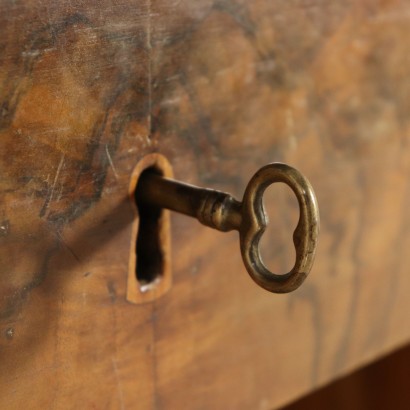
[219, 87]
[381, 385]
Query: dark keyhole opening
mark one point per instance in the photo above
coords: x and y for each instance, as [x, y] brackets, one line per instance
[149, 253]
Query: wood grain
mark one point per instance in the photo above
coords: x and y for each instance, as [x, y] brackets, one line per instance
[219, 87]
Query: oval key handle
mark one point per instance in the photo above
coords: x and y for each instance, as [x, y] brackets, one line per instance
[221, 211]
[254, 222]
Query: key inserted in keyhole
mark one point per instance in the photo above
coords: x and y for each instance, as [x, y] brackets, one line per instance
[219, 210]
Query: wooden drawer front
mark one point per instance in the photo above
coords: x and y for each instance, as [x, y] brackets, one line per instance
[219, 88]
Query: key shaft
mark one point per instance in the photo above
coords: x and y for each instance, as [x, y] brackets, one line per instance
[212, 208]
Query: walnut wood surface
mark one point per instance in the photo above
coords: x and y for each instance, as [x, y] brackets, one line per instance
[87, 88]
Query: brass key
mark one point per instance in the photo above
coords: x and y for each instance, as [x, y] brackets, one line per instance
[221, 211]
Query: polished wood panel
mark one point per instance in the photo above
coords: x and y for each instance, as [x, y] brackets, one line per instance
[87, 88]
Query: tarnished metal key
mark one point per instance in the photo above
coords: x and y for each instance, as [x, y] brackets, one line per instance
[221, 211]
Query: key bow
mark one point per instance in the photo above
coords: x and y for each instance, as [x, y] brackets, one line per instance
[254, 222]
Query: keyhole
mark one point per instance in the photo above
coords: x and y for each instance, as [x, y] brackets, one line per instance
[150, 258]
[149, 271]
